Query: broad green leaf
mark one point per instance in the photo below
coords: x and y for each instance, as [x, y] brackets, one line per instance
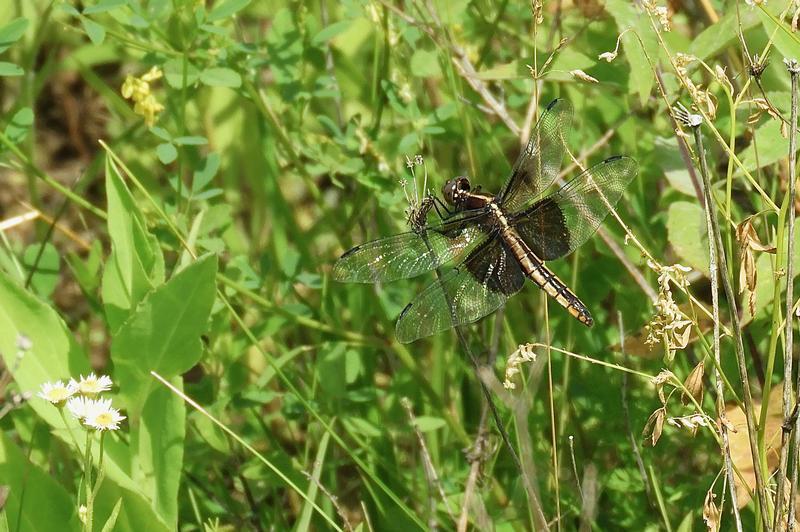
[225, 9]
[105, 5]
[160, 436]
[163, 333]
[166, 152]
[686, 229]
[786, 41]
[221, 77]
[668, 157]
[31, 490]
[11, 32]
[425, 64]
[173, 73]
[769, 142]
[203, 176]
[190, 141]
[512, 70]
[47, 262]
[20, 124]
[716, 37]
[629, 16]
[95, 31]
[10, 69]
[428, 423]
[54, 355]
[330, 32]
[136, 264]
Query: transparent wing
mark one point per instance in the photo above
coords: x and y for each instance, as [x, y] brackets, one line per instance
[539, 163]
[556, 225]
[477, 287]
[410, 254]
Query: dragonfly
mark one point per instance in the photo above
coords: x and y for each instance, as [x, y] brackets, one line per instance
[496, 240]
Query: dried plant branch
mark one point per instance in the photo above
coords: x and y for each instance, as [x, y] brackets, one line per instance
[713, 268]
[331, 497]
[715, 237]
[794, 70]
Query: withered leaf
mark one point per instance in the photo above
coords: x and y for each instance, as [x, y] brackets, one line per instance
[694, 384]
[654, 427]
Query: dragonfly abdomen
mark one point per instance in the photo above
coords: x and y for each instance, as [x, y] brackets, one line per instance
[545, 279]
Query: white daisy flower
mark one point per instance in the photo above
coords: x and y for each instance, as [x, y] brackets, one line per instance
[92, 384]
[57, 392]
[102, 416]
[80, 407]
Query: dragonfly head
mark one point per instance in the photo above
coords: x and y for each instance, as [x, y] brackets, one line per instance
[455, 190]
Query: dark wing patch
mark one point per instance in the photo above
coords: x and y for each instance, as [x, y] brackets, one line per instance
[477, 287]
[556, 225]
[539, 163]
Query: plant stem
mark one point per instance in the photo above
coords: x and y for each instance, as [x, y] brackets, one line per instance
[737, 330]
[794, 70]
[713, 269]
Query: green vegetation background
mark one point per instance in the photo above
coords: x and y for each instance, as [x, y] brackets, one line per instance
[200, 247]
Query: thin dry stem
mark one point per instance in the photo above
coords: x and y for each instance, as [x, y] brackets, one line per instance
[716, 237]
[794, 70]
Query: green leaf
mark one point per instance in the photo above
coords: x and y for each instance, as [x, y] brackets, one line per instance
[20, 124]
[718, 36]
[10, 69]
[105, 5]
[512, 70]
[96, 32]
[226, 9]
[627, 16]
[190, 141]
[163, 333]
[161, 133]
[166, 152]
[786, 41]
[160, 435]
[686, 230]
[111, 522]
[30, 488]
[331, 31]
[425, 64]
[204, 176]
[173, 73]
[47, 262]
[221, 77]
[11, 32]
[428, 423]
[136, 264]
[668, 157]
[769, 142]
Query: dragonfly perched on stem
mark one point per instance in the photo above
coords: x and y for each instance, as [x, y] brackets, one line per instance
[499, 239]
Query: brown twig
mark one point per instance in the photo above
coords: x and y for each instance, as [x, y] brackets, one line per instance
[794, 70]
[716, 237]
[713, 268]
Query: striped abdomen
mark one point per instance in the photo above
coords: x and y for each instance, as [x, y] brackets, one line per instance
[540, 274]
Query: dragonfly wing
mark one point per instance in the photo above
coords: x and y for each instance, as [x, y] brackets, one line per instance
[410, 254]
[556, 225]
[477, 287]
[539, 163]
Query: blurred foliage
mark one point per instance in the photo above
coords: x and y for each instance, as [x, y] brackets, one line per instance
[197, 240]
